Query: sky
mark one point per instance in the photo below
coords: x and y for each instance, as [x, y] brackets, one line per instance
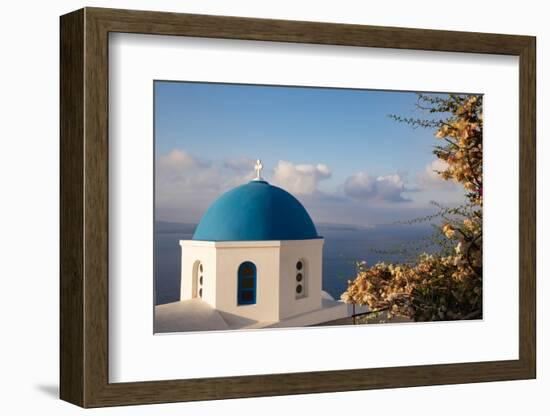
[336, 150]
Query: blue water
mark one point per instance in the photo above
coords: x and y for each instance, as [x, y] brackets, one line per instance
[344, 245]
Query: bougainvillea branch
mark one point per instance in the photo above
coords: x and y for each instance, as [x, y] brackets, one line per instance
[439, 286]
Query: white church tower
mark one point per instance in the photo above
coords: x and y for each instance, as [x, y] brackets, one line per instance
[256, 254]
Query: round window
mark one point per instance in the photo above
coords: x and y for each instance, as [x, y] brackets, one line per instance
[200, 280]
[200, 292]
[200, 267]
[299, 277]
[299, 265]
[299, 289]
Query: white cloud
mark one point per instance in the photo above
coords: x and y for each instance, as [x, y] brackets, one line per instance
[377, 188]
[183, 170]
[241, 164]
[300, 179]
[429, 178]
[178, 160]
[186, 185]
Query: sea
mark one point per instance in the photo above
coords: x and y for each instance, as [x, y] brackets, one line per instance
[345, 245]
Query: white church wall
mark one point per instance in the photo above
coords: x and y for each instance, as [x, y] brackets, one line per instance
[265, 256]
[193, 253]
[310, 252]
[275, 263]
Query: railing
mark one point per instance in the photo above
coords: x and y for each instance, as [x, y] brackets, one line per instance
[355, 315]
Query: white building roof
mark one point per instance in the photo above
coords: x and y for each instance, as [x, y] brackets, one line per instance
[197, 315]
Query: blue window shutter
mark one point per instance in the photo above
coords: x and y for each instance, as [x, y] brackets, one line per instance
[246, 284]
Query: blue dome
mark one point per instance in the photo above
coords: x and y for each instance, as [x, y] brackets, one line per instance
[256, 211]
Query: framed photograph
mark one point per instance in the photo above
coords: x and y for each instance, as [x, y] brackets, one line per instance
[254, 207]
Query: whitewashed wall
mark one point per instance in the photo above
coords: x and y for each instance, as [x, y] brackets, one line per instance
[311, 251]
[275, 263]
[205, 253]
[265, 255]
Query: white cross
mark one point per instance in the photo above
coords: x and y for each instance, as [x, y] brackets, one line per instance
[258, 168]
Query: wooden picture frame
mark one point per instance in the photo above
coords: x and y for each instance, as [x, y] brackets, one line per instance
[84, 207]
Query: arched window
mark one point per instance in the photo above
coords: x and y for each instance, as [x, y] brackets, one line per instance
[301, 279]
[246, 286]
[198, 279]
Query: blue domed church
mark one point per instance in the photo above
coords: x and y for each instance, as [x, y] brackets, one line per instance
[255, 260]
